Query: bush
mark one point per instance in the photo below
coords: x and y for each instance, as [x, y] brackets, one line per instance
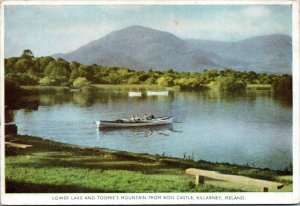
[230, 84]
[133, 80]
[81, 82]
[48, 81]
[150, 80]
[188, 83]
[166, 81]
[23, 79]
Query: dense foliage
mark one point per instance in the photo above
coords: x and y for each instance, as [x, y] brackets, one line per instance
[283, 85]
[12, 92]
[47, 71]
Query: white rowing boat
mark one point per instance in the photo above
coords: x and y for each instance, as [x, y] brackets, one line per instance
[135, 94]
[123, 123]
[162, 93]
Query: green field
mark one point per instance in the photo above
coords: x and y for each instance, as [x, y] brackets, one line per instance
[50, 166]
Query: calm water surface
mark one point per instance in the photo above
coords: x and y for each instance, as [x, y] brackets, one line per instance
[252, 129]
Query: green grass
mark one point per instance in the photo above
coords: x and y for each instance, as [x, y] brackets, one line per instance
[50, 166]
[128, 86]
[259, 86]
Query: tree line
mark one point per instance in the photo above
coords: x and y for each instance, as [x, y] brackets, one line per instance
[47, 71]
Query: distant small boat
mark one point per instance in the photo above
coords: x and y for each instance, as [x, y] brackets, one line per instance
[123, 123]
[163, 93]
[135, 94]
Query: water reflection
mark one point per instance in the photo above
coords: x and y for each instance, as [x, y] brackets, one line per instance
[107, 96]
[284, 100]
[138, 131]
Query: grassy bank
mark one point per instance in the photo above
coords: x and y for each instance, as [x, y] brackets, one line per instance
[44, 89]
[259, 86]
[128, 86]
[50, 166]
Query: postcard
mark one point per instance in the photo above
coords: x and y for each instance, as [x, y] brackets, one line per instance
[149, 102]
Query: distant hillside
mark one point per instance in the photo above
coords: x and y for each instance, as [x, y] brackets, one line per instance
[271, 53]
[142, 48]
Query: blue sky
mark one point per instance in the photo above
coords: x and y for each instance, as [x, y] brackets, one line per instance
[51, 29]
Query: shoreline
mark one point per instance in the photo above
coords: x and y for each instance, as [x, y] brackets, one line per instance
[188, 158]
[266, 87]
[76, 160]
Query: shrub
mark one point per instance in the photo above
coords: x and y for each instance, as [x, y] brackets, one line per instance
[150, 80]
[22, 79]
[166, 81]
[81, 82]
[230, 84]
[188, 83]
[48, 81]
[133, 80]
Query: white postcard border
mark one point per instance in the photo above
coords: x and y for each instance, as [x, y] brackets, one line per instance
[178, 198]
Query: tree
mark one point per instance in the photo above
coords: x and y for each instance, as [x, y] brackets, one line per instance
[27, 54]
[9, 64]
[188, 83]
[209, 75]
[58, 70]
[230, 84]
[143, 77]
[151, 80]
[74, 65]
[23, 65]
[170, 71]
[74, 74]
[283, 85]
[81, 82]
[166, 81]
[251, 77]
[133, 80]
[43, 62]
[113, 78]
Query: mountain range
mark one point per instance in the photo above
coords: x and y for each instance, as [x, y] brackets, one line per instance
[142, 48]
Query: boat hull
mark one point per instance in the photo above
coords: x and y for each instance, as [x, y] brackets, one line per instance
[143, 123]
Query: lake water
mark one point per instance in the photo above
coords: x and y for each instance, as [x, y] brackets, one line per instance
[251, 129]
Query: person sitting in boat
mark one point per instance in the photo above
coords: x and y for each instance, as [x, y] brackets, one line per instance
[145, 117]
[136, 118]
[131, 119]
[151, 116]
